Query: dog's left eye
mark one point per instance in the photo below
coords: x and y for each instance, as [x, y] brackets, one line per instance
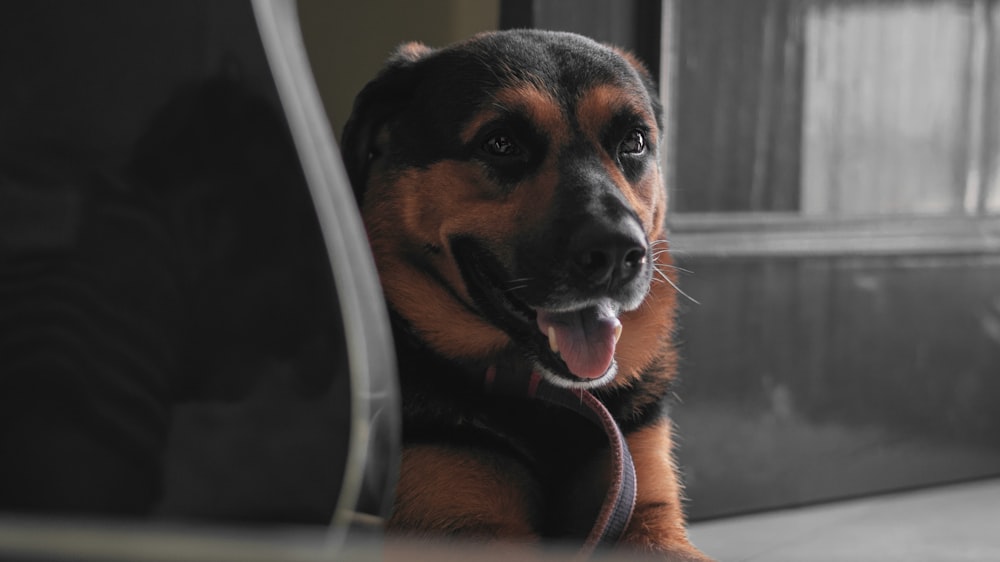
[633, 143]
[501, 144]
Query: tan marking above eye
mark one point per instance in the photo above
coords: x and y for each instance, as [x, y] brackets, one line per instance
[540, 107]
[599, 105]
[478, 121]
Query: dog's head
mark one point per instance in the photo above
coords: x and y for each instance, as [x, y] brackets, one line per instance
[513, 198]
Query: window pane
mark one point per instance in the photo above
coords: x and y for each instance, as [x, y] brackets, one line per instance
[836, 107]
[887, 107]
[737, 79]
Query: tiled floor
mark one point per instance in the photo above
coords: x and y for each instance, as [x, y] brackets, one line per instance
[956, 522]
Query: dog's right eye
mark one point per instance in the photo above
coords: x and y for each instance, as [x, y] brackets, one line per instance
[501, 144]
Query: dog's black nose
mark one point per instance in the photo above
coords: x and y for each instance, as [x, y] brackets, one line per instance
[609, 255]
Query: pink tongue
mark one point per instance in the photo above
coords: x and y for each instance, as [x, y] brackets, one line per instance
[586, 338]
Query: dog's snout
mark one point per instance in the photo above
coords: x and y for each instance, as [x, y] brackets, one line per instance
[609, 255]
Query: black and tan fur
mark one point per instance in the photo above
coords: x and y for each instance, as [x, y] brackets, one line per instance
[509, 174]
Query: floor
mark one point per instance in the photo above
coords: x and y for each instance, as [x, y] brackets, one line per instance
[956, 522]
[949, 523]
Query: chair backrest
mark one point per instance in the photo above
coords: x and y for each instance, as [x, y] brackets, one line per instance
[191, 326]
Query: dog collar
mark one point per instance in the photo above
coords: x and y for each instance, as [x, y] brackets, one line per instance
[619, 502]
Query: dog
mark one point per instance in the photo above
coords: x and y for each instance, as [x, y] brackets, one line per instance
[512, 193]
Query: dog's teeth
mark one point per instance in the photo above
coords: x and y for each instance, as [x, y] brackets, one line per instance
[618, 333]
[553, 343]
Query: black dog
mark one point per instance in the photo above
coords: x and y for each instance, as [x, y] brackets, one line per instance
[512, 192]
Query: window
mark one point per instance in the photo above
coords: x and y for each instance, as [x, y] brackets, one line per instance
[866, 122]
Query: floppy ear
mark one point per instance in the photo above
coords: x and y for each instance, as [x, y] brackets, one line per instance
[378, 101]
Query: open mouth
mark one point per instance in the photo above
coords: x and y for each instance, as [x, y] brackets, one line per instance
[583, 338]
[572, 345]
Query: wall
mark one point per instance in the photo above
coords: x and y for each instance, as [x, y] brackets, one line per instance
[347, 42]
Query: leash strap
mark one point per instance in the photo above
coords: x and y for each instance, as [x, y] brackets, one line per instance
[616, 510]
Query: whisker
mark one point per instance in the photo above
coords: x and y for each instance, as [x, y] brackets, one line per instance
[675, 268]
[666, 278]
[514, 284]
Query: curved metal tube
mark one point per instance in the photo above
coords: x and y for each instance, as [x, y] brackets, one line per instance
[371, 466]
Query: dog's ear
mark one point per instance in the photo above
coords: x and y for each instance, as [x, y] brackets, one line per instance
[378, 101]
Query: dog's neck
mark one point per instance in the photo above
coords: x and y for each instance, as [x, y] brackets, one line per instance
[414, 355]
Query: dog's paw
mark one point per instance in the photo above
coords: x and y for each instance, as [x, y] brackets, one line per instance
[674, 553]
[687, 555]
[672, 549]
